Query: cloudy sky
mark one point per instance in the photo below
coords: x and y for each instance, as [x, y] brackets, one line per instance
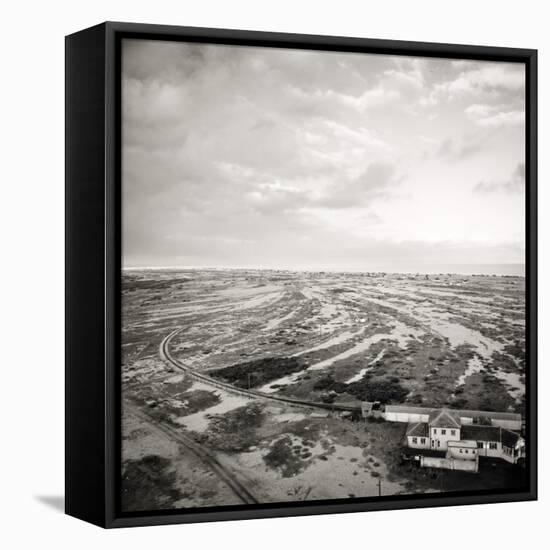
[259, 157]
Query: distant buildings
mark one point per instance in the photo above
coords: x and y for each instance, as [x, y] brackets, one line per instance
[462, 435]
[445, 432]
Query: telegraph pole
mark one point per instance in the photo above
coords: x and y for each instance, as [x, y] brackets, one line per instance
[379, 487]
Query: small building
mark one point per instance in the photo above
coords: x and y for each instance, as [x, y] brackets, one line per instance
[418, 436]
[460, 455]
[444, 426]
[497, 442]
[462, 450]
[513, 446]
[372, 409]
[406, 413]
[366, 408]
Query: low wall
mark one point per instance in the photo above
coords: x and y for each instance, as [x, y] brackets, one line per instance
[449, 463]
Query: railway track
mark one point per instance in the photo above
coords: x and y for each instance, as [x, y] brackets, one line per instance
[166, 355]
[230, 478]
[227, 476]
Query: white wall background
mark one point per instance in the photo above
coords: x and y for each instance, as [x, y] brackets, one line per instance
[31, 314]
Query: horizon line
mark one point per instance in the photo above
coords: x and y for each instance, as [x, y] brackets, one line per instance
[331, 270]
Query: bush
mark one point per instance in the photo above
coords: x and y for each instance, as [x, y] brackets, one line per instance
[260, 371]
[324, 383]
[329, 384]
[235, 430]
[280, 456]
[385, 391]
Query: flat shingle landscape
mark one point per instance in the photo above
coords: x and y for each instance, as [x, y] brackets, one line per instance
[235, 382]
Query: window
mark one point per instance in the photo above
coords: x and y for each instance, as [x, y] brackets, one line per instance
[460, 451]
[493, 446]
[466, 451]
[423, 440]
[435, 431]
[438, 443]
[415, 440]
[480, 444]
[443, 432]
[453, 432]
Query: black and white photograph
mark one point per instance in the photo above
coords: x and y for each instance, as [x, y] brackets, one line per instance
[274, 274]
[323, 275]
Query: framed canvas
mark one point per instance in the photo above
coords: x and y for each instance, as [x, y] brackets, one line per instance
[301, 274]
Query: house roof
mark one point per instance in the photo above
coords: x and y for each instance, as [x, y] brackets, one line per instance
[444, 418]
[418, 429]
[509, 438]
[491, 433]
[481, 433]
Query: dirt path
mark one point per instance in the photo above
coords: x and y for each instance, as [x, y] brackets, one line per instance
[230, 478]
[167, 357]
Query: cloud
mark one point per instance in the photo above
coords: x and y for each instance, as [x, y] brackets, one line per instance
[494, 116]
[459, 149]
[237, 155]
[514, 184]
[480, 80]
[370, 98]
[274, 199]
[374, 183]
[487, 79]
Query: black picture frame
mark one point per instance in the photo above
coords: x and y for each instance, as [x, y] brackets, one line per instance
[93, 265]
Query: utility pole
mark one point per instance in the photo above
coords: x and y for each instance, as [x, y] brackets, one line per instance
[379, 487]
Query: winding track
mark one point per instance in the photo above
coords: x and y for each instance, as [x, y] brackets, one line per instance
[166, 355]
[227, 476]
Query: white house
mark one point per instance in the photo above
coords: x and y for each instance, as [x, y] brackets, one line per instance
[444, 432]
[441, 427]
[444, 427]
